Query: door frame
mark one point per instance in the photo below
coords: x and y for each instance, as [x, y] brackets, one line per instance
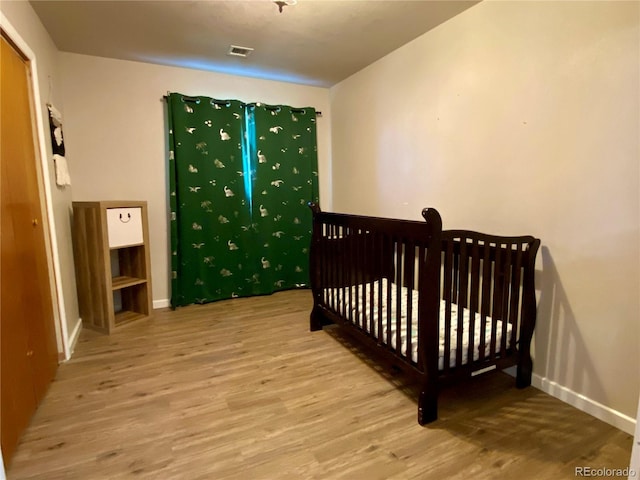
[44, 187]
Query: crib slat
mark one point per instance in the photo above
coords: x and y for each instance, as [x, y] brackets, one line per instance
[322, 260]
[361, 277]
[343, 273]
[319, 261]
[505, 299]
[336, 268]
[514, 313]
[330, 266]
[473, 297]
[463, 262]
[496, 313]
[375, 259]
[485, 308]
[338, 247]
[327, 265]
[382, 244]
[398, 278]
[422, 256]
[447, 294]
[410, 263]
[355, 276]
[338, 250]
[348, 269]
[456, 274]
[377, 286]
[463, 273]
[345, 276]
[351, 268]
[364, 279]
[388, 294]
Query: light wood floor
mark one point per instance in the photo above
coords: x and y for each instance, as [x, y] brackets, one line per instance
[242, 390]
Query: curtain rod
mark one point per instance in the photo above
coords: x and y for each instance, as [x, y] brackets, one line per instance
[226, 102]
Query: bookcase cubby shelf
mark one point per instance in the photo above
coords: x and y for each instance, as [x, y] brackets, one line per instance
[113, 274]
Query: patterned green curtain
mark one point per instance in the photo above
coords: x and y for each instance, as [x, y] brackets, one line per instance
[239, 178]
[210, 250]
[285, 180]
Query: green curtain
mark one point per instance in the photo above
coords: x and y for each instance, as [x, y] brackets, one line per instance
[285, 180]
[239, 179]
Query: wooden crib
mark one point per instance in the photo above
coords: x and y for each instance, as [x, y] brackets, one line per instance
[437, 304]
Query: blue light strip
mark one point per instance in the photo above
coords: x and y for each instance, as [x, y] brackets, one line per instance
[248, 154]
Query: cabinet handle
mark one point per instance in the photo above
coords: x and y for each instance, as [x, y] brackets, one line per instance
[29, 353]
[34, 222]
[127, 220]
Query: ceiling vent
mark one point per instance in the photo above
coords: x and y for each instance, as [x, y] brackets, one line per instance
[239, 51]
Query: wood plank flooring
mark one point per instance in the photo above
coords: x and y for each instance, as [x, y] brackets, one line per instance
[241, 389]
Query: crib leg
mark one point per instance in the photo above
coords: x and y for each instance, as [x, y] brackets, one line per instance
[315, 320]
[524, 372]
[427, 406]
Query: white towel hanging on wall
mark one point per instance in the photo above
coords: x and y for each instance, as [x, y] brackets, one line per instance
[62, 170]
[57, 144]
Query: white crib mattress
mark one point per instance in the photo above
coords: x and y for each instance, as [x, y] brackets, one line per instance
[364, 311]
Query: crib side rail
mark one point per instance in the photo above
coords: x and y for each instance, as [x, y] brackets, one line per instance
[488, 288]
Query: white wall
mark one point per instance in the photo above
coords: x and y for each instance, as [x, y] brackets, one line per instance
[23, 19]
[115, 133]
[520, 118]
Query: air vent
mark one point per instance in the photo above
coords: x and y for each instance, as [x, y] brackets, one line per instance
[239, 51]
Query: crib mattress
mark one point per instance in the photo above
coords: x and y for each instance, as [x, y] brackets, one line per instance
[360, 312]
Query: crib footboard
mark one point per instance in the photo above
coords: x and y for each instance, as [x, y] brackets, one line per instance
[488, 310]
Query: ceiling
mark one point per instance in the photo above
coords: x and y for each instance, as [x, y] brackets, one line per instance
[316, 42]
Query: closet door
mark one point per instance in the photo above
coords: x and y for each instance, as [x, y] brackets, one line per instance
[27, 331]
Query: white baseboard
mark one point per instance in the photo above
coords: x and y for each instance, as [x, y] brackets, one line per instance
[579, 401]
[161, 303]
[73, 338]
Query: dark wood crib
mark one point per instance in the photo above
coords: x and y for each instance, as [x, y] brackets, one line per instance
[437, 304]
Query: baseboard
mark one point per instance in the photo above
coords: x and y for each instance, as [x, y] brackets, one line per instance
[579, 401]
[73, 338]
[161, 303]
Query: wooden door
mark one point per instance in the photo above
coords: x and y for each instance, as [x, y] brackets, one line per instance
[27, 331]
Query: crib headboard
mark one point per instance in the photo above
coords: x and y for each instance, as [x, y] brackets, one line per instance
[349, 243]
[351, 250]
